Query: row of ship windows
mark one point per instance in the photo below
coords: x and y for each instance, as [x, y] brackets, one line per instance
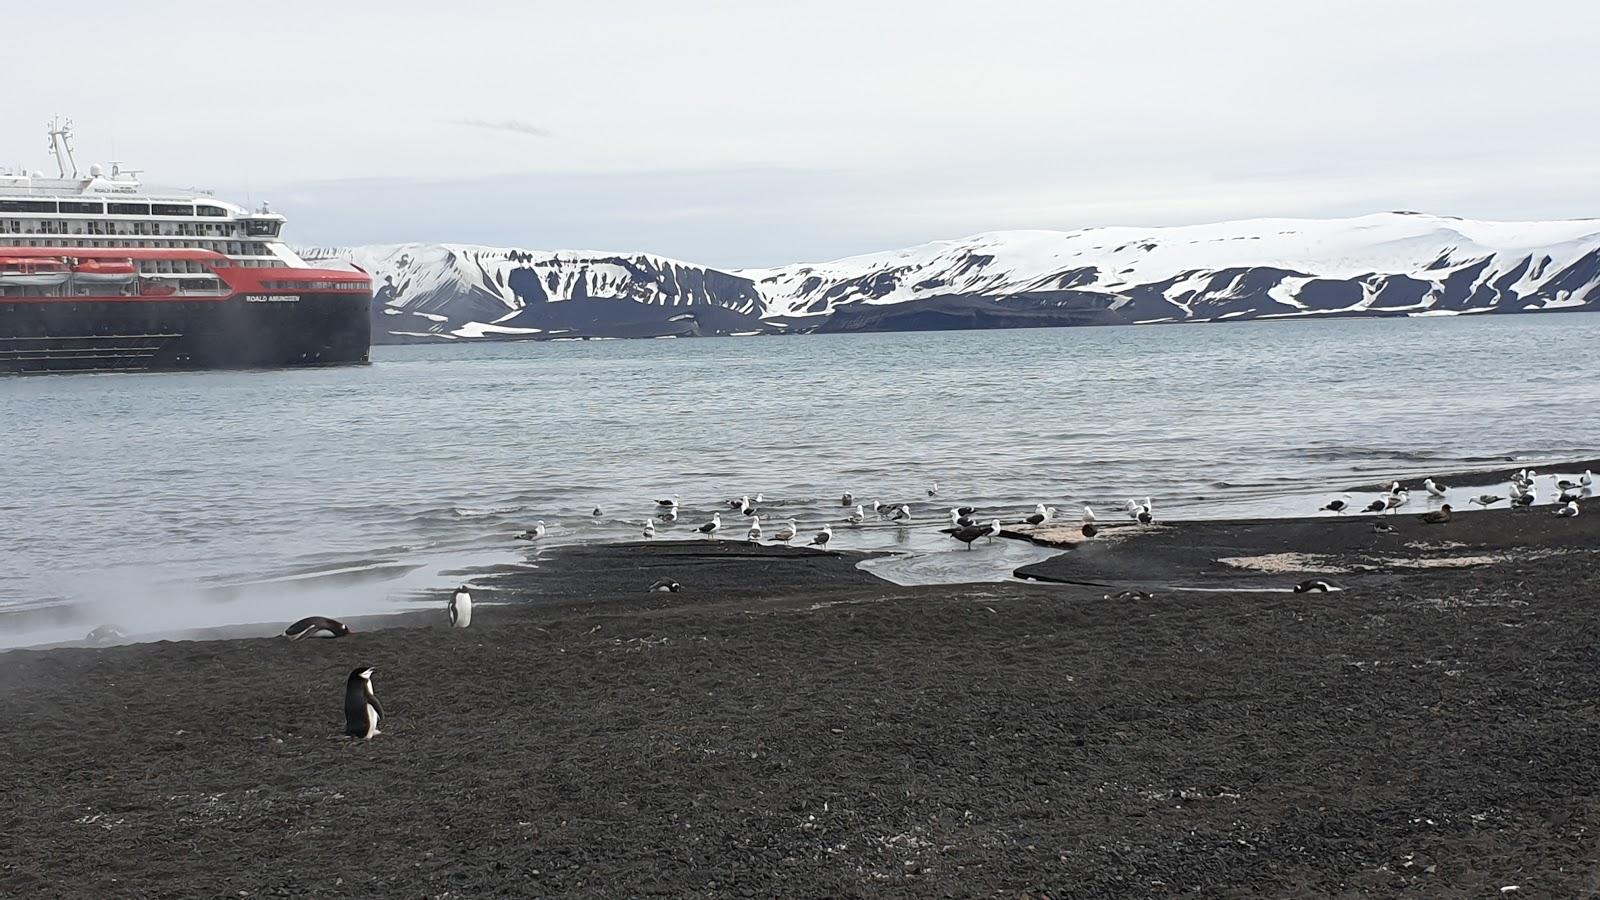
[96, 208]
[230, 248]
[312, 285]
[62, 226]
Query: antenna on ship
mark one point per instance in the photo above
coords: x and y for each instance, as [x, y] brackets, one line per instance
[61, 146]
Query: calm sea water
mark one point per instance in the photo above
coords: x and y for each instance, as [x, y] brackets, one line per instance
[210, 498]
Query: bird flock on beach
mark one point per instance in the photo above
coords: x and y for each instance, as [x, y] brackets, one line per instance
[1522, 492]
[964, 524]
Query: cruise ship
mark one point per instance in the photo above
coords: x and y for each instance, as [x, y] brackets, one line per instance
[99, 274]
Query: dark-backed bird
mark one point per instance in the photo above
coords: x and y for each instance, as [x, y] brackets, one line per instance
[821, 538]
[597, 512]
[1569, 497]
[534, 533]
[1338, 506]
[710, 528]
[460, 608]
[1438, 517]
[1041, 515]
[957, 520]
[966, 534]
[1525, 498]
[1313, 586]
[1395, 501]
[665, 586]
[361, 707]
[316, 627]
[900, 514]
[1433, 488]
[670, 514]
[1145, 516]
[857, 517]
[1486, 499]
[664, 504]
[848, 499]
[1378, 505]
[966, 510]
[1568, 511]
[933, 489]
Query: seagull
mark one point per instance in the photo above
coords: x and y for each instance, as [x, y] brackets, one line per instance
[1378, 505]
[1568, 511]
[1486, 499]
[1586, 479]
[933, 489]
[534, 533]
[878, 509]
[822, 537]
[1527, 497]
[900, 514]
[711, 528]
[787, 532]
[670, 514]
[966, 510]
[1434, 488]
[848, 499]
[668, 504]
[754, 534]
[1041, 515]
[1338, 506]
[957, 520]
[966, 534]
[1144, 516]
[1396, 501]
[994, 529]
[649, 528]
[1395, 487]
[748, 509]
[1088, 514]
[740, 503]
[1569, 497]
[857, 517]
[597, 512]
[1438, 517]
[1313, 586]
[664, 586]
[759, 498]
[1132, 506]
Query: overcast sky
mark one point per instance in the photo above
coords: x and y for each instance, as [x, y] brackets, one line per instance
[746, 133]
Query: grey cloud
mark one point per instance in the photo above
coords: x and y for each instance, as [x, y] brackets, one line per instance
[514, 126]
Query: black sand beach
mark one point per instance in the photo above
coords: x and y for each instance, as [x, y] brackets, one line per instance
[787, 725]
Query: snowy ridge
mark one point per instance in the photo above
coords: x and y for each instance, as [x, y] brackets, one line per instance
[1382, 264]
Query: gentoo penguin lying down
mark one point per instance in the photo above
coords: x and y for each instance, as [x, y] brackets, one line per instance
[316, 626]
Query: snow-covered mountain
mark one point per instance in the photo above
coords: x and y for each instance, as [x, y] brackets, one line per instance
[1384, 264]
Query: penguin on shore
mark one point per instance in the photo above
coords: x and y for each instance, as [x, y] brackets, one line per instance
[361, 706]
[1313, 586]
[460, 608]
[316, 626]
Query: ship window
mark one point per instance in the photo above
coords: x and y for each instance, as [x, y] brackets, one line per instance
[129, 209]
[260, 227]
[70, 206]
[205, 210]
[30, 206]
[172, 209]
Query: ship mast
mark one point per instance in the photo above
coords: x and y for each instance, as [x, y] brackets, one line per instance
[61, 146]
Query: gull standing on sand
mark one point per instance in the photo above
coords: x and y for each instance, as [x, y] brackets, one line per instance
[857, 517]
[534, 533]
[1433, 488]
[787, 532]
[711, 528]
[1378, 505]
[1338, 506]
[754, 534]
[1395, 501]
[822, 537]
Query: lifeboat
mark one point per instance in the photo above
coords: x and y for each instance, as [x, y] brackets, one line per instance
[34, 272]
[105, 271]
[151, 287]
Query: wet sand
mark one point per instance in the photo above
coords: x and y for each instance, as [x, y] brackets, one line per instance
[787, 725]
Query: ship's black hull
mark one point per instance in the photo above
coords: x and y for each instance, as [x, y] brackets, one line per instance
[175, 334]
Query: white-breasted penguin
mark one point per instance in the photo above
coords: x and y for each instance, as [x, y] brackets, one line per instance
[361, 706]
[460, 608]
[316, 626]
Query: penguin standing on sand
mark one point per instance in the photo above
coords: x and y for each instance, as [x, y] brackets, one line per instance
[460, 608]
[361, 707]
